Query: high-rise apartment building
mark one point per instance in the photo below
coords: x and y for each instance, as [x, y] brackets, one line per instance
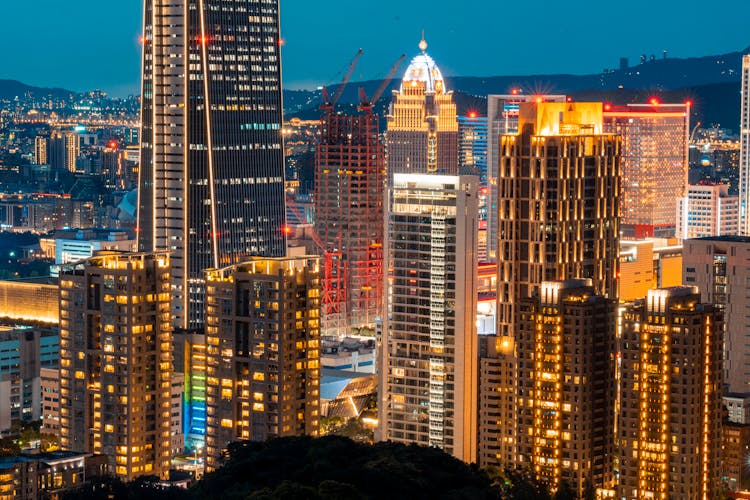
[211, 187]
[718, 266]
[115, 361]
[41, 150]
[745, 147]
[263, 352]
[670, 412]
[558, 213]
[707, 210]
[190, 361]
[349, 197]
[428, 371]
[655, 141]
[502, 119]
[64, 150]
[422, 131]
[565, 340]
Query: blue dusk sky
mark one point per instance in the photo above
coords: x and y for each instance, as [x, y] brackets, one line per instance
[87, 44]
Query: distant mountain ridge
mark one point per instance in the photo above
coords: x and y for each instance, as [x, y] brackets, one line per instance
[10, 89]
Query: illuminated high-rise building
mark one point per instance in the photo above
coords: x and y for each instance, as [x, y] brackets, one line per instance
[41, 150]
[211, 186]
[745, 147]
[422, 130]
[671, 409]
[472, 160]
[349, 197]
[115, 361]
[707, 209]
[428, 362]
[558, 213]
[565, 340]
[64, 150]
[655, 140]
[502, 119]
[262, 352]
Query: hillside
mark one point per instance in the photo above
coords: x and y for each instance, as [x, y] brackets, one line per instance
[10, 89]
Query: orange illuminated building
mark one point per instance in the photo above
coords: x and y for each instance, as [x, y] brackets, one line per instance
[655, 141]
[648, 264]
[422, 135]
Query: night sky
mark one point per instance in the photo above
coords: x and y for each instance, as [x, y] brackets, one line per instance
[86, 44]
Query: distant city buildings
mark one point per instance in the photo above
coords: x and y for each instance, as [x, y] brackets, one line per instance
[263, 352]
[115, 361]
[655, 139]
[428, 363]
[707, 210]
[472, 160]
[422, 131]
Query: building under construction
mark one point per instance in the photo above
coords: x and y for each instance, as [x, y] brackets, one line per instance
[350, 176]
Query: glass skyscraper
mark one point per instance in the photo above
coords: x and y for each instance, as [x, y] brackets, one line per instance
[212, 170]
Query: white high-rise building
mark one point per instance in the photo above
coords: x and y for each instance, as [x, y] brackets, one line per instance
[429, 360]
[745, 147]
[707, 210]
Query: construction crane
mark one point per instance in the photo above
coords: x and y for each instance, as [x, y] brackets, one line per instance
[328, 103]
[367, 104]
[692, 134]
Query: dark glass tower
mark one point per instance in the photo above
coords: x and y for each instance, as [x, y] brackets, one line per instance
[212, 167]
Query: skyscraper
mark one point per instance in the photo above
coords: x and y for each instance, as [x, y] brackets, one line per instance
[350, 178]
[211, 186]
[502, 119]
[670, 415]
[428, 363]
[655, 141]
[422, 131]
[472, 160]
[707, 209]
[745, 147]
[41, 150]
[566, 386]
[558, 214]
[263, 352]
[115, 361]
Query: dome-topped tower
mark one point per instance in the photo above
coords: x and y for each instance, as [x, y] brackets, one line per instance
[423, 72]
[422, 135]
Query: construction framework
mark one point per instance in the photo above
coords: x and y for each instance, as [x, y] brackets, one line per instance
[350, 177]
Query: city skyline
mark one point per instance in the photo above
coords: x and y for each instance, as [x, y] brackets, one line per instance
[116, 63]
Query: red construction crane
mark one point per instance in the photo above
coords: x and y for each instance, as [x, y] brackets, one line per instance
[328, 103]
[364, 102]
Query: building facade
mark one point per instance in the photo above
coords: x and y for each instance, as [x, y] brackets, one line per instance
[472, 160]
[349, 197]
[718, 266]
[745, 147]
[422, 131]
[670, 412]
[558, 214]
[428, 362]
[655, 141]
[565, 342]
[707, 210]
[115, 361]
[263, 352]
[502, 119]
[211, 185]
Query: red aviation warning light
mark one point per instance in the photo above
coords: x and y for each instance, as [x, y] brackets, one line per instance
[514, 91]
[472, 114]
[654, 101]
[607, 107]
[287, 230]
[689, 103]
